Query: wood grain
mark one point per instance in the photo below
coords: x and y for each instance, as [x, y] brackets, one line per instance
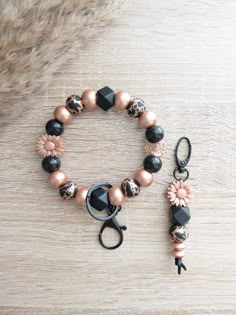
[180, 57]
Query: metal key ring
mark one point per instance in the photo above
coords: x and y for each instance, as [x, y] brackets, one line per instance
[183, 171]
[89, 207]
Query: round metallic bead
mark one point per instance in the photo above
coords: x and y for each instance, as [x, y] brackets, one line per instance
[80, 196]
[74, 104]
[178, 253]
[89, 99]
[178, 246]
[68, 191]
[178, 233]
[116, 196]
[136, 107]
[57, 179]
[143, 177]
[147, 119]
[122, 100]
[62, 114]
[130, 188]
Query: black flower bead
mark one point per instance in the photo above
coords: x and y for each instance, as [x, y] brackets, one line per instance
[154, 134]
[136, 107]
[51, 163]
[179, 215]
[74, 104]
[178, 233]
[130, 188]
[105, 98]
[152, 163]
[54, 127]
[68, 191]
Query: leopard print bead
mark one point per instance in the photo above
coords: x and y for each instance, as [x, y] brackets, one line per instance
[68, 191]
[136, 107]
[178, 233]
[74, 104]
[130, 187]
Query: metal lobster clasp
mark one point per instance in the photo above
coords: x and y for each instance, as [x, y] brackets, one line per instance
[114, 224]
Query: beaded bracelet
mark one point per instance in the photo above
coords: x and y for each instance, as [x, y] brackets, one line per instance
[101, 196]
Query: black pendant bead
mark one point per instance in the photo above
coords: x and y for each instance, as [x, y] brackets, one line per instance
[74, 104]
[105, 98]
[99, 199]
[179, 215]
[51, 163]
[152, 163]
[178, 233]
[136, 107]
[154, 134]
[68, 191]
[130, 188]
[54, 127]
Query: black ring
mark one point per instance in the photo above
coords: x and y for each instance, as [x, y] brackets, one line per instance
[180, 178]
[89, 208]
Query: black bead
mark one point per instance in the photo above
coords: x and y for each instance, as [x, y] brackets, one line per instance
[105, 98]
[152, 163]
[154, 134]
[99, 199]
[179, 215]
[54, 127]
[51, 163]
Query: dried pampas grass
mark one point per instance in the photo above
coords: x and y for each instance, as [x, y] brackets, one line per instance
[37, 36]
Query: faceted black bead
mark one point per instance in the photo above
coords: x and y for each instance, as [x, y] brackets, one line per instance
[54, 127]
[179, 215]
[51, 163]
[152, 163]
[99, 199]
[105, 98]
[154, 134]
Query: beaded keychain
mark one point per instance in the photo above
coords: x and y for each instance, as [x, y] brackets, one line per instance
[101, 196]
[179, 194]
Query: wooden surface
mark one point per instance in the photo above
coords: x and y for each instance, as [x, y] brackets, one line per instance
[180, 57]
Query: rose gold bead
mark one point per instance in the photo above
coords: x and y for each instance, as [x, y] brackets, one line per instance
[147, 119]
[89, 99]
[178, 246]
[116, 196]
[143, 177]
[122, 100]
[57, 179]
[62, 114]
[80, 196]
[178, 253]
